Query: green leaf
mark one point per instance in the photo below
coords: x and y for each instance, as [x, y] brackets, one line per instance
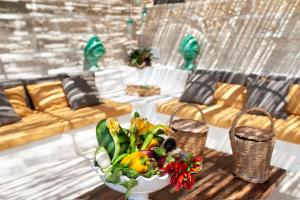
[114, 176]
[170, 159]
[151, 171]
[160, 151]
[129, 185]
[190, 155]
[130, 173]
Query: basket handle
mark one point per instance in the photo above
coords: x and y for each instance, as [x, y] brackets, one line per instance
[234, 123]
[179, 108]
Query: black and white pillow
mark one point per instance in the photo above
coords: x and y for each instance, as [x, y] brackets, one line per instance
[236, 78]
[81, 91]
[277, 77]
[7, 113]
[200, 88]
[268, 95]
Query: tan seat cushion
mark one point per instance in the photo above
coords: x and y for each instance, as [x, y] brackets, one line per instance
[16, 97]
[217, 115]
[77, 118]
[293, 103]
[288, 130]
[113, 108]
[47, 96]
[90, 115]
[230, 95]
[41, 125]
[169, 108]
[220, 116]
[31, 128]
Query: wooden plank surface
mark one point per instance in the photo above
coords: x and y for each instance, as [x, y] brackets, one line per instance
[215, 181]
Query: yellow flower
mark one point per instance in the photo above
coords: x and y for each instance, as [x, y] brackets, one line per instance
[141, 125]
[113, 125]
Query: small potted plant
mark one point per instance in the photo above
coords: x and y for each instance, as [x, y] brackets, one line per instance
[141, 159]
[140, 58]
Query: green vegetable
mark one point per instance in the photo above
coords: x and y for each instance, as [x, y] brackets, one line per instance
[114, 143]
[160, 151]
[102, 158]
[136, 114]
[130, 173]
[147, 141]
[132, 138]
[119, 158]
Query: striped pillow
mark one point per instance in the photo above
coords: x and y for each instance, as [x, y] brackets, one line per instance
[200, 89]
[17, 98]
[269, 95]
[81, 91]
[47, 96]
[7, 113]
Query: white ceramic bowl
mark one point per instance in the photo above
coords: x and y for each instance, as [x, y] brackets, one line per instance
[142, 189]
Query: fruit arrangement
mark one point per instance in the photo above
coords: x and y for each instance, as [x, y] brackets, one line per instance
[144, 149]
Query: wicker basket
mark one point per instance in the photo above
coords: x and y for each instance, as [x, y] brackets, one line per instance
[190, 135]
[252, 149]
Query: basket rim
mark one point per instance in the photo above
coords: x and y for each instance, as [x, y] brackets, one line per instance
[203, 125]
[267, 135]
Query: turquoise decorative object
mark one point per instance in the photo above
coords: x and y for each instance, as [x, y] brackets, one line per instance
[129, 25]
[93, 51]
[189, 48]
[144, 13]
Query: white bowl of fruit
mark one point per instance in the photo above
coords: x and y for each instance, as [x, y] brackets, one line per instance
[139, 160]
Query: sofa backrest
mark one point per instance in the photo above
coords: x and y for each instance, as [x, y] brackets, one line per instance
[6, 84]
[231, 91]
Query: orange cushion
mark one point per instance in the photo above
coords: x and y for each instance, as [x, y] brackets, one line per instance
[47, 96]
[31, 128]
[293, 102]
[113, 108]
[16, 97]
[170, 107]
[220, 116]
[230, 95]
[77, 118]
[289, 129]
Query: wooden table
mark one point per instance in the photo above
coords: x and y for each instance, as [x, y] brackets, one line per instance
[216, 181]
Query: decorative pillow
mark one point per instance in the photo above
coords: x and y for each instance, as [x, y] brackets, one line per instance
[268, 95]
[230, 95]
[47, 96]
[296, 81]
[293, 102]
[200, 89]
[233, 78]
[17, 99]
[14, 83]
[48, 78]
[7, 113]
[81, 91]
[251, 78]
[277, 77]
